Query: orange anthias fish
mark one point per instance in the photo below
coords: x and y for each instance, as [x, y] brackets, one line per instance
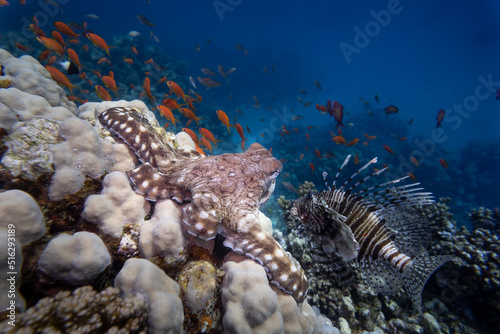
[352, 142]
[167, 113]
[318, 153]
[370, 137]
[208, 135]
[191, 115]
[411, 176]
[51, 44]
[171, 103]
[129, 61]
[388, 149]
[51, 61]
[338, 113]
[224, 119]
[22, 47]
[110, 83]
[192, 135]
[443, 163]
[102, 93]
[74, 57]
[311, 165]
[59, 77]
[98, 41]
[36, 30]
[239, 128]
[147, 89]
[58, 37]
[65, 29]
[339, 140]
[43, 55]
[206, 143]
[440, 117]
[177, 90]
[356, 159]
[162, 80]
[414, 161]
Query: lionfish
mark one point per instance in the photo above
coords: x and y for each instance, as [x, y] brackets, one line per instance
[380, 226]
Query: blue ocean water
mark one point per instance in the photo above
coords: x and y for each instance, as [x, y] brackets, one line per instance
[421, 56]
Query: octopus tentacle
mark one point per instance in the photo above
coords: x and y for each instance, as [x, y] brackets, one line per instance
[282, 269]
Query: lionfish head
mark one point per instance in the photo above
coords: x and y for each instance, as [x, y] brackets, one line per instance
[308, 210]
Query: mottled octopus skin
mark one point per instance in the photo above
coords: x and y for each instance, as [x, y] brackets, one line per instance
[219, 193]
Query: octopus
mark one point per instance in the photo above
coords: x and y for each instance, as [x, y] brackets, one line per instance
[219, 194]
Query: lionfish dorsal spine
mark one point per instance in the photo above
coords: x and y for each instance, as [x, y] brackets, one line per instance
[325, 178]
[346, 161]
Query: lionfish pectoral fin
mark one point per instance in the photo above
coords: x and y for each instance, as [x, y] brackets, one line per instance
[415, 277]
[342, 235]
[381, 275]
[346, 243]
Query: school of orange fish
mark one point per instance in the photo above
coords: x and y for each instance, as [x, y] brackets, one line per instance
[68, 40]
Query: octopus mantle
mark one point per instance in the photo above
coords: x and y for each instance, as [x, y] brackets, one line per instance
[219, 193]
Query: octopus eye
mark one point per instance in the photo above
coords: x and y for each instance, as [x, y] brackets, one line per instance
[274, 174]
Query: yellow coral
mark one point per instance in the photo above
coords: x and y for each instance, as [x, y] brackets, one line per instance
[5, 83]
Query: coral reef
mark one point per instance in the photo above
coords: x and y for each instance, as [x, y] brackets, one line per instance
[116, 205]
[78, 222]
[165, 311]
[455, 297]
[75, 158]
[85, 311]
[251, 305]
[31, 92]
[28, 152]
[76, 259]
[20, 209]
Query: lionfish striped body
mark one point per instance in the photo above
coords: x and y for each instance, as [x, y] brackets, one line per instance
[379, 226]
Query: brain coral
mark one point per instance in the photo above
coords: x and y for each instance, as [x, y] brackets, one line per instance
[162, 235]
[76, 258]
[83, 153]
[252, 306]
[32, 92]
[165, 307]
[116, 205]
[21, 210]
